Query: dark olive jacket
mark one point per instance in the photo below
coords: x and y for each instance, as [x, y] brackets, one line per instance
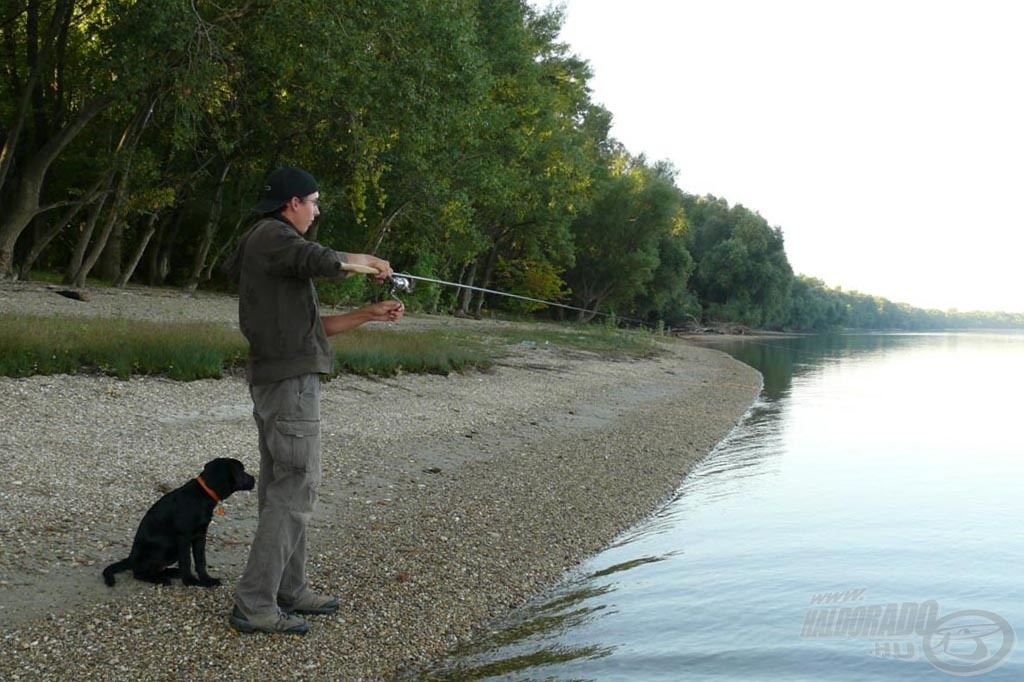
[278, 309]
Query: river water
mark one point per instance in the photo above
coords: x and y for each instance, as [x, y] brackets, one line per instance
[863, 522]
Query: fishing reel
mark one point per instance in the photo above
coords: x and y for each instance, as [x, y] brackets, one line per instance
[398, 284]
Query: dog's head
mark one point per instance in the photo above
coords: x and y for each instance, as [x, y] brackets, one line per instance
[225, 476]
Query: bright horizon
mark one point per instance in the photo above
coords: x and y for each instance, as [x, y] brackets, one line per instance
[885, 139]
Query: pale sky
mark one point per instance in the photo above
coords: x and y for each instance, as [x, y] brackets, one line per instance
[885, 138]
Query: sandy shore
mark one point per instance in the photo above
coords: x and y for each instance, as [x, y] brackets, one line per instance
[447, 501]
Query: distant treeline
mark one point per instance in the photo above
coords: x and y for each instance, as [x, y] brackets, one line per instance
[457, 138]
[815, 307]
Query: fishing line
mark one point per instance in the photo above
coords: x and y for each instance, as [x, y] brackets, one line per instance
[403, 282]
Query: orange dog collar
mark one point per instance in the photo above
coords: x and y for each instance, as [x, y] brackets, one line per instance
[209, 491]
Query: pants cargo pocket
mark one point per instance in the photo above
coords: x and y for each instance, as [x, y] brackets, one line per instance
[297, 447]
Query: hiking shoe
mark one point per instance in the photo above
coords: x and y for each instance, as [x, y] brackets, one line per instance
[310, 603]
[274, 623]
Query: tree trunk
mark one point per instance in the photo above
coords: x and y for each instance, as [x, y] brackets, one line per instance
[43, 240]
[95, 192]
[129, 269]
[78, 281]
[385, 227]
[212, 221]
[492, 258]
[78, 254]
[153, 258]
[160, 267]
[41, 62]
[467, 294]
[109, 264]
[591, 299]
[25, 205]
[126, 148]
[101, 241]
[224, 248]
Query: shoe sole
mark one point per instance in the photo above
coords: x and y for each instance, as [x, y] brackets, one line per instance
[248, 628]
[326, 611]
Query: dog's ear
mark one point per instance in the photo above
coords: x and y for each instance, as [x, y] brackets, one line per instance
[218, 474]
[226, 475]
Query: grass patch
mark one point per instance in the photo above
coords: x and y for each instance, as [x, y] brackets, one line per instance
[182, 351]
[380, 352]
[117, 347]
[603, 340]
[186, 352]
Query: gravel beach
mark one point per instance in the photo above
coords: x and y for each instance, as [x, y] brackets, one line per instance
[447, 501]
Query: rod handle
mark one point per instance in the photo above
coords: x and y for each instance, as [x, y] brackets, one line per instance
[361, 269]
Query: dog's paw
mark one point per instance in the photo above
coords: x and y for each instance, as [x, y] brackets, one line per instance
[209, 582]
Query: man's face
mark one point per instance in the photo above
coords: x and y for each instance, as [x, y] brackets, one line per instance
[302, 212]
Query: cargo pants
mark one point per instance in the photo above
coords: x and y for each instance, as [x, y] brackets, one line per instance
[287, 415]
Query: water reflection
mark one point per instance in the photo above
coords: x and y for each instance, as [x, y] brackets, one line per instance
[783, 359]
[746, 453]
[521, 643]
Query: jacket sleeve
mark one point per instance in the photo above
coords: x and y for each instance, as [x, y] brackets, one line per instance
[282, 252]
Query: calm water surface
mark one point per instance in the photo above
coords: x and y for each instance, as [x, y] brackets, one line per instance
[862, 523]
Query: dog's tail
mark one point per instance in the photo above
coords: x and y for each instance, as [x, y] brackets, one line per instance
[117, 567]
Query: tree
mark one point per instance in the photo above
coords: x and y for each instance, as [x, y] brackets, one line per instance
[812, 307]
[534, 152]
[637, 214]
[455, 137]
[96, 66]
[742, 273]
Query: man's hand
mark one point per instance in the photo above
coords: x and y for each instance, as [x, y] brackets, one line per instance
[382, 266]
[385, 311]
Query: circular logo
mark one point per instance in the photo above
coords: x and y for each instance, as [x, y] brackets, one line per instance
[969, 642]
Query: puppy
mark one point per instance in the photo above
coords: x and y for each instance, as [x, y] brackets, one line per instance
[174, 528]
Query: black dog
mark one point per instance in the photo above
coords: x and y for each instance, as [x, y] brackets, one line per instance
[176, 526]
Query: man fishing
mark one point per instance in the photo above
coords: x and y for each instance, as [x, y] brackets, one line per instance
[278, 312]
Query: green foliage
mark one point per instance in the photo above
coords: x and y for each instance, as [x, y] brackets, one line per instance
[631, 256]
[667, 300]
[814, 307]
[531, 278]
[457, 138]
[742, 273]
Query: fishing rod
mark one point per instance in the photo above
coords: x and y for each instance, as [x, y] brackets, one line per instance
[403, 282]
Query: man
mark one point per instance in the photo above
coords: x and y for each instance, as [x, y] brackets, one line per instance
[278, 312]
